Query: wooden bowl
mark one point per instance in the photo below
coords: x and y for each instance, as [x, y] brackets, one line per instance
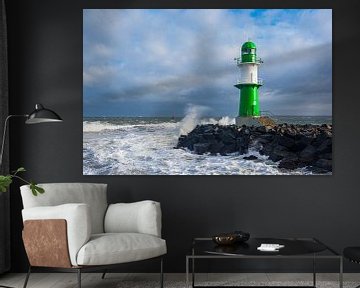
[225, 239]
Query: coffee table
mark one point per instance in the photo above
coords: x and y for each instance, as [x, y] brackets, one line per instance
[294, 248]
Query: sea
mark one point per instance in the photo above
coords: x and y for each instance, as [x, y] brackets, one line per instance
[145, 146]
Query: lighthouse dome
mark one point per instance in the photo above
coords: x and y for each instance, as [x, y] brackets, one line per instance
[248, 52]
[248, 45]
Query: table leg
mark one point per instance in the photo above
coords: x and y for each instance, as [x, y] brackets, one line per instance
[341, 273]
[187, 272]
[314, 271]
[193, 267]
[193, 272]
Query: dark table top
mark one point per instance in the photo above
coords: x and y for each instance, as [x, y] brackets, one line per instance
[293, 246]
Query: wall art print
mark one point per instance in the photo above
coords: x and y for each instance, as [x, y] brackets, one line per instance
[207, 92]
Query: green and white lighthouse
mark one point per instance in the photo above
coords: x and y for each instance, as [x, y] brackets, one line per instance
[248, 84]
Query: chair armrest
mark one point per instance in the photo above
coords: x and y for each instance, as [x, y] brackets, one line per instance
[52, 250]
[138, 217]
[77, 218]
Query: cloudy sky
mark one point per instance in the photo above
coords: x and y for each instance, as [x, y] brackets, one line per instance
[160, 62]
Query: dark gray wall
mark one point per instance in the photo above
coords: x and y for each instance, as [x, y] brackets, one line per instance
[45, 43]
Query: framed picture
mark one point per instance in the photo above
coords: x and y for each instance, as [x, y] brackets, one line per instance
[207, 92]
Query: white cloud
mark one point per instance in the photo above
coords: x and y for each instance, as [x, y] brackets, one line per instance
[100, 74]
[165, 54]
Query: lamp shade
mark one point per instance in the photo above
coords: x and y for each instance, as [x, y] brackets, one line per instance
[42, 115]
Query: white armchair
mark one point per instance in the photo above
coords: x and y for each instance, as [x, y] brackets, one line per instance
[72, 228]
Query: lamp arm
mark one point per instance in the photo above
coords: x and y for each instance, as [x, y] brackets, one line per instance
[4, 134]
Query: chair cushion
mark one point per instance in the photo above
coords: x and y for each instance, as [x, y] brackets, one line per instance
[113, 248]
[92, 194]
[352, 253]
[77, 216]
[137, 217]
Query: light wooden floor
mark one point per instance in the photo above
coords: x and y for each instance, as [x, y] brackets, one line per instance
[113, 280]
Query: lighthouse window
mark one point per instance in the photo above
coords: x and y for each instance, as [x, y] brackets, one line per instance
[252, 51]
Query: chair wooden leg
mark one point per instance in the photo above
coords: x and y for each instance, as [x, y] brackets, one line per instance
[27, 277]
[79, 277]
[161, 273]
[103, 275]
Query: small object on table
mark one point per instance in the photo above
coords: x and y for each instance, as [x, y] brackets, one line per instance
[231, 238]
[353, 254]
[224, 239]
[242, 236]
[270, 247]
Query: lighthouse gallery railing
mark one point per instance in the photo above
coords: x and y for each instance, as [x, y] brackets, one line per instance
[244, 81]
[258, 60]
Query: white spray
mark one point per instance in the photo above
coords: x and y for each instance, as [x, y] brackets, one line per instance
[193, 118]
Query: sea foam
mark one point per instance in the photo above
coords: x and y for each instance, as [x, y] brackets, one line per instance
[148, 149]
[97, 126]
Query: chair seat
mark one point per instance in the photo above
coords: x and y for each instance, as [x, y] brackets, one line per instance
[352, 253]
[114, 248]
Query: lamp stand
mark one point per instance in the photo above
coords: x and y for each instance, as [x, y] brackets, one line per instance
[39, 115]
[4, 135]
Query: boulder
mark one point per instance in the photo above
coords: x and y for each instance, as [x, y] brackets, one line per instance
[261, 140]
[325, 146]
[285, 141]
[209, 136]
[228, 148]
[261, 129]
[278, 153]
[242, 144]
[317, 170]
[308, 154]
[324, 164]
[216, 147]
[208, 129]
[227, 137]
[266, 149]
[288, 163]
[201, 148]
[299, 145]
[267, 137]
[251, 157]
[303, 138]
[327, 156]
[243, 150]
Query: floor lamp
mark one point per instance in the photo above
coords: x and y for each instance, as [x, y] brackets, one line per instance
[39, 115]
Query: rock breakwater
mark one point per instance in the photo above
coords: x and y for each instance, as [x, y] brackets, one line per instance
[291, 146]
